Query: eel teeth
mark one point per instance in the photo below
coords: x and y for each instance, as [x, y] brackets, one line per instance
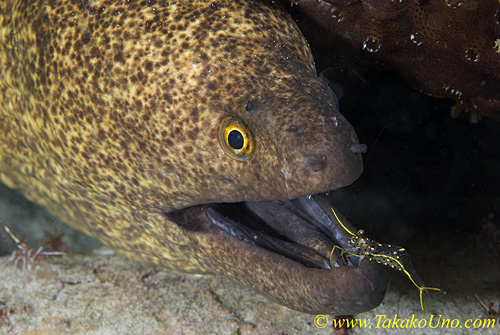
[452, 90]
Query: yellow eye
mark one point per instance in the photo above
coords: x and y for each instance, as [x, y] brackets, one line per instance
[236, 139]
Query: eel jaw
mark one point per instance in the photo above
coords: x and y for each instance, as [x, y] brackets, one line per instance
[282, 250]
[303, 229]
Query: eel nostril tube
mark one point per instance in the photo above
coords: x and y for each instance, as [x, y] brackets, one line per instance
[359, 148]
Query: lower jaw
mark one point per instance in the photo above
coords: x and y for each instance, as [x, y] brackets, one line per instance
[281, 249]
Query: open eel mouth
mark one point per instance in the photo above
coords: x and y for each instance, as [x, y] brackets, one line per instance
[281, 249]
[303, 230]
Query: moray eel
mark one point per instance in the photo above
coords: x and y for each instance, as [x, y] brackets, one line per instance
[187, 134]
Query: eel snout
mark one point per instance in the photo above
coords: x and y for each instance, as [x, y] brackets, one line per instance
[282, 250]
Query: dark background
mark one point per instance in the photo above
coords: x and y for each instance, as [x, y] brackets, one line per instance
[425, 173]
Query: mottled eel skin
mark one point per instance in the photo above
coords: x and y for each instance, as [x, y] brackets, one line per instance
[134, 120]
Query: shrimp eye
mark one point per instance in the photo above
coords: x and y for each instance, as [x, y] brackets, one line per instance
[236, 139]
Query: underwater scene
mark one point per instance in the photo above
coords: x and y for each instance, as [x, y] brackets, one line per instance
[201, 167]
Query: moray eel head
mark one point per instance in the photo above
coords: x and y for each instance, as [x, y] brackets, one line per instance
[188, 134]
[277, 145]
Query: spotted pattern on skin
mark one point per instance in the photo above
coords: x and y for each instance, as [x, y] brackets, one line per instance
[109, 114]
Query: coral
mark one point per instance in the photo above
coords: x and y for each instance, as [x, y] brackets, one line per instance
[445, 48]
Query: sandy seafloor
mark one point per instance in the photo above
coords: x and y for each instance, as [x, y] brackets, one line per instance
[430, 185]
[99, 292]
